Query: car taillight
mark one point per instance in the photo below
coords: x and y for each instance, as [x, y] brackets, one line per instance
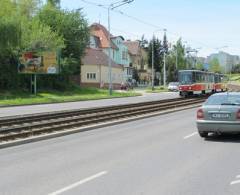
[200, 114]
[238, 114]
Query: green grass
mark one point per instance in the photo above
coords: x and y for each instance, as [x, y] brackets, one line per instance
[234, 78]
[77, 94]
[157, 89]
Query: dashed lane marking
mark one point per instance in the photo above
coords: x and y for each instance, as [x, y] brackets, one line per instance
[191, 135]
[235, 182]
[74, 185]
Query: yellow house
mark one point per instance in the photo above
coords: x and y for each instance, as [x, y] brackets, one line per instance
[95, 71]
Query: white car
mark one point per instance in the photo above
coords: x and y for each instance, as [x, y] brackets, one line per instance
[173, 86]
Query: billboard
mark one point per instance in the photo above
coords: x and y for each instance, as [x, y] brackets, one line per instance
[45, 62]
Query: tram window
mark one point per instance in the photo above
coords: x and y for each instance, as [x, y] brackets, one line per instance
[185, 77]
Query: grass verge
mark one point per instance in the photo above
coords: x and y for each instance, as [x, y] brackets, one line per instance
[157, 89]
[234, 78]
[12, 98]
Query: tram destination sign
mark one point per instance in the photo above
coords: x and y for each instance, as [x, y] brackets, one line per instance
[44, 62]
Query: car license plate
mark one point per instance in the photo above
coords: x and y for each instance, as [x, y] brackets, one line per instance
[220, 115]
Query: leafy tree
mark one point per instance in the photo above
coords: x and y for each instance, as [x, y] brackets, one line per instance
[27, 25]
[40, 36]
[175, 55]
[215, 66]
[55, 3]
[199, 66]
[73, 27]
[236, 69]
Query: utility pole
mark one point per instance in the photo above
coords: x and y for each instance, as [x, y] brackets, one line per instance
[109, 53]
[176, 58]
[111, 7]
[153, 63]
[164, 63]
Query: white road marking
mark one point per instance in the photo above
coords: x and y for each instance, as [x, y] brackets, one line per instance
[238, 176]
[235, 182]
[188, 136]
[74, 185]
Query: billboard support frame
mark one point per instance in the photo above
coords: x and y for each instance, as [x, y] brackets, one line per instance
[34, 84]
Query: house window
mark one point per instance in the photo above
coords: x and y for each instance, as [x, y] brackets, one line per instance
[91, 76]
[124, 55]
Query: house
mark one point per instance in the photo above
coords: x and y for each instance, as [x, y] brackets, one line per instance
[139, 61]
[95, 70]
[118, 50]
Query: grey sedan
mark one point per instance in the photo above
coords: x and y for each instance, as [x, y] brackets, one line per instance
[219, 114]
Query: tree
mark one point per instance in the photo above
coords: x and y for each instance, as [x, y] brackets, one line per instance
[73, 27]
[236, 69]
[215, 66]
[143, 42]
[135, 75]
[175, 61]
[158, 55]
[165, 46]
[39, 36]
[55, 3]
[199, 66]
[27, 25]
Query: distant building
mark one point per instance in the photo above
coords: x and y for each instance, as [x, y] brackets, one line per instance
[227, 61]
[94, 70]
[139, 61]
[118, 51]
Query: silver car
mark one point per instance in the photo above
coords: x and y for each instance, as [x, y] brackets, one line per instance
[219, 114]
[173, 86]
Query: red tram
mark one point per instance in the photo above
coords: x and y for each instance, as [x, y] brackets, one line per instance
[198, 82]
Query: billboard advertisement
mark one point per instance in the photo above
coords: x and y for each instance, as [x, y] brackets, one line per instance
[45, 62]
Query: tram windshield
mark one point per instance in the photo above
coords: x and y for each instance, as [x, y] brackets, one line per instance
[185, 78]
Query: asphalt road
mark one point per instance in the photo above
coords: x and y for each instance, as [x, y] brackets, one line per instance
[22, 110]
[156, 156]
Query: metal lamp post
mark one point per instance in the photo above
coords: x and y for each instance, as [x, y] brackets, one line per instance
[111, 7]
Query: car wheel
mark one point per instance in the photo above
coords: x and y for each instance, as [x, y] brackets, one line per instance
[203, 133]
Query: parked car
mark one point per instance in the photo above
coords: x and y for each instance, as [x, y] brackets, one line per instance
[126, 86]
[173, 86]
[219, 114]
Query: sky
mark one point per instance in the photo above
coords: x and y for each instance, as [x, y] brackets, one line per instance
[207, 25]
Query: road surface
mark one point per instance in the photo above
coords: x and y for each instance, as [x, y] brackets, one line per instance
[156, 156]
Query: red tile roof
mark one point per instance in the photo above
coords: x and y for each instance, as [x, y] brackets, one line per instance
[133, 47]
[100, 31]
[97, 57]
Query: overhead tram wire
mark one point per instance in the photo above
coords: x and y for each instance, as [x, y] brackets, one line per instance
[122, 13]
[143, 22]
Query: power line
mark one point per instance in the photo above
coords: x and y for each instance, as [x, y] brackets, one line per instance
[143, 22]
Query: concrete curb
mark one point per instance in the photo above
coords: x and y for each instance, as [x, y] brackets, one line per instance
[91, 127]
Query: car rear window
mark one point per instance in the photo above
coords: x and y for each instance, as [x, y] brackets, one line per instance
[223, 99]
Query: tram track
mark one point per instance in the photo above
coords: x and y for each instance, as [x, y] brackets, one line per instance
[27, 126]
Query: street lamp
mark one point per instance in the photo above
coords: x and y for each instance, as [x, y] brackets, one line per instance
[153, 56]
[111, 7]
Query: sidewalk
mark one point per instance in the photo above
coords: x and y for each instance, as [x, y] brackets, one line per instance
[33, 109]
